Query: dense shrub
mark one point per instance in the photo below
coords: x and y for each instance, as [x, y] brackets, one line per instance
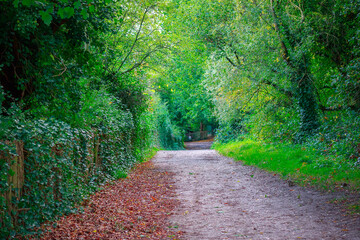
[229, 132]
[169, 136]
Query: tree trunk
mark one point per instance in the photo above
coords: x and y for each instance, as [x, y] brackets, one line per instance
[302, 83]
[307, 104]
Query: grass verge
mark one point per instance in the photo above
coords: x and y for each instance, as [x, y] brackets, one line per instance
[150, 154]
[303, 166]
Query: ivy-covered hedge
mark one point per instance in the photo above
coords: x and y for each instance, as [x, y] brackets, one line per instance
[73, 113]
[61, 166]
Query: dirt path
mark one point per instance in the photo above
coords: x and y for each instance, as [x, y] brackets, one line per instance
[222, 199]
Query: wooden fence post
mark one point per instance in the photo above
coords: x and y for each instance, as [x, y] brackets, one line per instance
[90, 155]
[15, 179]
[97, 159]
[18, 167]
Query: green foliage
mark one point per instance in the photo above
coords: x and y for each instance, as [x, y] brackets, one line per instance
[178, 77]
[73, 90]
[170, 137]
[300, 164]
[150, 153]
[120, 174]
[279, 69]
[229, 132]
[338, 136]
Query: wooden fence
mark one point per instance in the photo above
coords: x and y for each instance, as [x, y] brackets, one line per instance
[16, 175]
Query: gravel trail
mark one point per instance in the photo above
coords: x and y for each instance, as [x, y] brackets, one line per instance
[223, 199]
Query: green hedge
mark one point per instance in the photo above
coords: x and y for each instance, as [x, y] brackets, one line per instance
[62, 165]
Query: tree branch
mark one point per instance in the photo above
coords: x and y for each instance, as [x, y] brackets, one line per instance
[330, 109]
[135, 40]
[227, 58]
[280, 89]
[285, 54]
[138, 64]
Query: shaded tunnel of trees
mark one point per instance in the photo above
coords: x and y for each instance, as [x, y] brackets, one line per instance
[90, 87]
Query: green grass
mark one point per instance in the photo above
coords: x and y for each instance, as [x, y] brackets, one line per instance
[354, 208]
[303, 166]
[121, 174]
[151, 153]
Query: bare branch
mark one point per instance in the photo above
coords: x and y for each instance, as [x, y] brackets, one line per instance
[227, 57]
[136, 38]
[138, 64]
[330, 109]
[63, 69]
[301, 12]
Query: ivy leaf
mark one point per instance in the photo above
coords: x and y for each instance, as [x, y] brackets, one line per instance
[11, 172]
[46, 17]
[61, 12]
[84, 13]
[91, 8]
[77, 4]
[16, 3]
[27, 3]
[67, 12]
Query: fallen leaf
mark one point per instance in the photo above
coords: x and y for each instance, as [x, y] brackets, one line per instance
[114, 211]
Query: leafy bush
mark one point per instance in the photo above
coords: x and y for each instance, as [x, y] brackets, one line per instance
[170, 137]
[338, 136]
[229, 132]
